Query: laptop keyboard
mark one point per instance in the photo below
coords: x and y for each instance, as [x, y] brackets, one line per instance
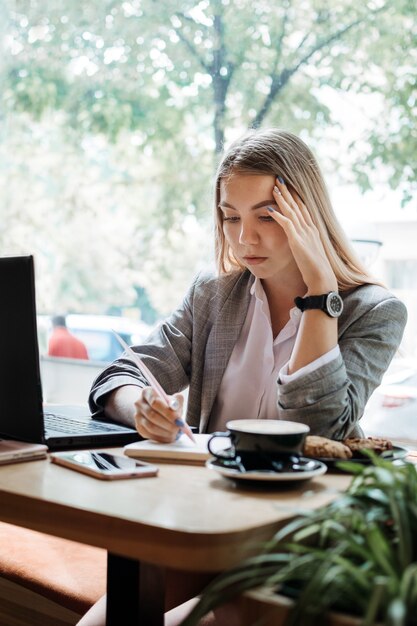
[64, 424]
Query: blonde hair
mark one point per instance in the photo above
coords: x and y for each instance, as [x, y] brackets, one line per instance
[280, 153]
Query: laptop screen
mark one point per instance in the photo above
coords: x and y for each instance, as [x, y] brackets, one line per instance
[21, 414]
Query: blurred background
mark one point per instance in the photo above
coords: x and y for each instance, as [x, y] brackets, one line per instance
[114, 115]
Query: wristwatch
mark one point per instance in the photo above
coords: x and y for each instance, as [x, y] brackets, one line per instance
[331, 303]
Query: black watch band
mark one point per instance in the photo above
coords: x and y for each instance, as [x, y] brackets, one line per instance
[331, 303]
[311, 302]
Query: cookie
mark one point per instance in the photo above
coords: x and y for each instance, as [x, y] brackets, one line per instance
[321, 447]
[377, 444]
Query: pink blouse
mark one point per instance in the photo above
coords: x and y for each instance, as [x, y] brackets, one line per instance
[249, 385]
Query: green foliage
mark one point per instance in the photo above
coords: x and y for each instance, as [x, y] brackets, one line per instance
[155, 90]
[34, 89]
[114, 67]
[357, 554]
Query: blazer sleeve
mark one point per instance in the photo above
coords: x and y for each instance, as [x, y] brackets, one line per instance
[167, 353]
[332, 399]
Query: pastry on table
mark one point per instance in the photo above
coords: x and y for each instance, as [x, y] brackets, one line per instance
[321, 447]
[377, 444]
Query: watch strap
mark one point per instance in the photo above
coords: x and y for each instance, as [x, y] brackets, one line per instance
[311, 302]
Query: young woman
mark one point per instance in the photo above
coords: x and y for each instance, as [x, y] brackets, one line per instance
[239, 341]
[292, 326]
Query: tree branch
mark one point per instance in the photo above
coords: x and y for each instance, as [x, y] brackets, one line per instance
[326, 42]
[281, 36]
[189, 45]
[278, 82]
[221, 81]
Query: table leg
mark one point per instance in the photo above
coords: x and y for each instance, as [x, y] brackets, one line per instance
[135, 590]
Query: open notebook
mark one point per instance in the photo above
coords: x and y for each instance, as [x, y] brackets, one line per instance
[181, 451]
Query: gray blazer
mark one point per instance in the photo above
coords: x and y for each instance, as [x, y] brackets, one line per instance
[192, 347]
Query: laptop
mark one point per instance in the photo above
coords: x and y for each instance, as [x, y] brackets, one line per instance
[21, 406]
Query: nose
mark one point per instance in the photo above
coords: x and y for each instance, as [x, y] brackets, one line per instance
[248, 234]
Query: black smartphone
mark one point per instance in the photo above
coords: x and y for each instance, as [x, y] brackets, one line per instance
[104, 465]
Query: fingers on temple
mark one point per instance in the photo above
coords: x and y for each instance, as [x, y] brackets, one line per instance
[295, 203]
[303, 209]
[287, 206]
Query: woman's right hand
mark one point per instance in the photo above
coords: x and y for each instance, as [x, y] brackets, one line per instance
[154, 419]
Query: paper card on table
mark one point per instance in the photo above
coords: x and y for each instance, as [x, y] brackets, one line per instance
[181, 451]
[12, 451]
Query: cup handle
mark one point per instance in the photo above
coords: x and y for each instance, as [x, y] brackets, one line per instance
[221, 454]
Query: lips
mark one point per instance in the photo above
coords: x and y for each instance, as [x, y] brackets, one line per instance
[254, 260]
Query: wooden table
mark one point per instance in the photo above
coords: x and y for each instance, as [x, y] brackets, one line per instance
[187, 518]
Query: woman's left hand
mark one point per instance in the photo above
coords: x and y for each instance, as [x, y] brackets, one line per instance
[304, 240]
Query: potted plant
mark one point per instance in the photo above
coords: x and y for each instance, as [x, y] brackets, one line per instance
[356, 556]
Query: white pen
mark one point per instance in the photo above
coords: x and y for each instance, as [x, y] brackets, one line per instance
[172, 403]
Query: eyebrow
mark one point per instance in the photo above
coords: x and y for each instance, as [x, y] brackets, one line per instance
[259, 205]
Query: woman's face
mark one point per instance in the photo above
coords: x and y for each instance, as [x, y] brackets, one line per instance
[255, 239]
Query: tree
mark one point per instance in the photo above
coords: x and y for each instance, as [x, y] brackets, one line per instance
[232, 63]
[390, 155]
[274, 44]
[115, 113]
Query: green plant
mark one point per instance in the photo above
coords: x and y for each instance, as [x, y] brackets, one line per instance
[357, 555]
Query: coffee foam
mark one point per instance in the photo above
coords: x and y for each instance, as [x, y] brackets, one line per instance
[268, 427]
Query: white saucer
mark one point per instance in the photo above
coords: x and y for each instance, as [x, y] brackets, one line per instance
[227, 470]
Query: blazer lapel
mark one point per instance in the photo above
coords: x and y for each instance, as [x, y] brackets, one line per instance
[222, 338]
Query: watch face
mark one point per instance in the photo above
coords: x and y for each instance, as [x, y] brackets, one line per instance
[334, 304]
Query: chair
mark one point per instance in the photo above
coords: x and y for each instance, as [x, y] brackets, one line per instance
[47, 581]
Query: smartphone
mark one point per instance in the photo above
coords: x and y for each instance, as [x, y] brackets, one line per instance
[104, 465]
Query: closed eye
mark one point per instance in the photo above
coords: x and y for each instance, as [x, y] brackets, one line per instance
[234, 218]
